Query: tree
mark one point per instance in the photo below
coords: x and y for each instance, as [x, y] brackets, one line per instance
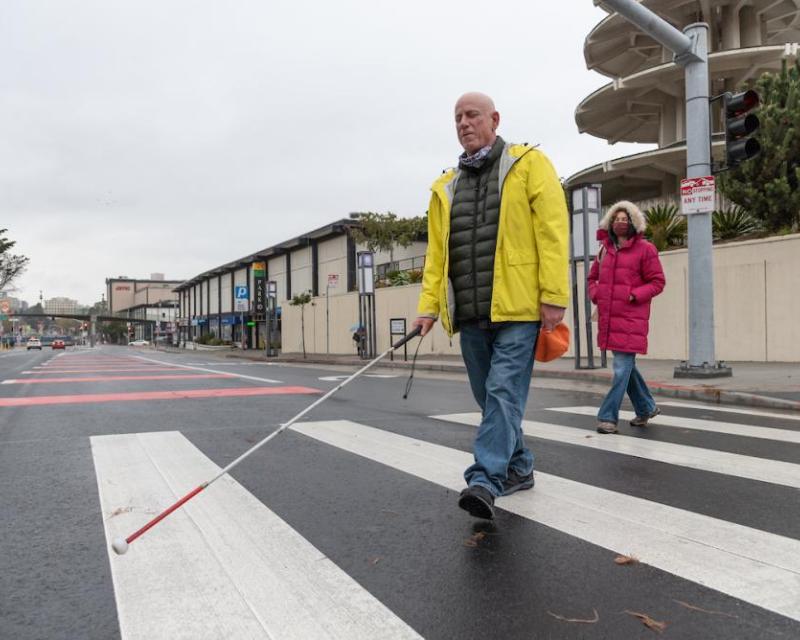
[301, 300]
[767, 186]
[11, 265]
[116, 331]
[385, 231]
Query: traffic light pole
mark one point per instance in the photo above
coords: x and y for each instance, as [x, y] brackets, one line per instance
[691, 51]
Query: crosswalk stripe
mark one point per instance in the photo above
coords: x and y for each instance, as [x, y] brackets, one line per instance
[731, 464]
[728, 409]
[756, 566]
[224, 566]
[696, 424]
[232, 373]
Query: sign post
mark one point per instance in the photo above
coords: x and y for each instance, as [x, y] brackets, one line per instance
[397, 327]
[333, 282]
[260, 297]
[241, 300]
[272, 301]
[690, 49]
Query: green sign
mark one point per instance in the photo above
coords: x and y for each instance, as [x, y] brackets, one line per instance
[250, 323]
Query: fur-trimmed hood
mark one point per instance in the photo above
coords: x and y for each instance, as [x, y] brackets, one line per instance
[634, 213]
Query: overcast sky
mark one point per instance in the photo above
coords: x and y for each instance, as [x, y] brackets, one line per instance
[176, 135]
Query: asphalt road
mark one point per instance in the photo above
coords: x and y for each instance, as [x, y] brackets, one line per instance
[348, 526]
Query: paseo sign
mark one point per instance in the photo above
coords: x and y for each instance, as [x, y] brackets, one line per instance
[122, 287]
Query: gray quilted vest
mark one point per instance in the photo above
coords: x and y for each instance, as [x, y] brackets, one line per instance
[474, 216]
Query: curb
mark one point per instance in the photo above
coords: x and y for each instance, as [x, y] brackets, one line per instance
[706, 394]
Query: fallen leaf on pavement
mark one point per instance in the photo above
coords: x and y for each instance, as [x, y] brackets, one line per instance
[474, 539]
[626, 560]
[581, 620]
[647, 621]
[713, 613]
[119, 511]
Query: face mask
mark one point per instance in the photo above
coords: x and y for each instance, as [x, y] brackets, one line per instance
[621, 229]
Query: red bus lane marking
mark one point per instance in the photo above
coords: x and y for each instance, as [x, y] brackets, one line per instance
[183, 376]
[156, 395]
[149, 369]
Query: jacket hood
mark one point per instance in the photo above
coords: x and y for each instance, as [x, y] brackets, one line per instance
[635, 214]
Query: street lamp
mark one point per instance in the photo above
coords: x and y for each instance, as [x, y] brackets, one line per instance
[586, 203]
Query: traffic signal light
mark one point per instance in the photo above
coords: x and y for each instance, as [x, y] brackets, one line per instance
[740, 125]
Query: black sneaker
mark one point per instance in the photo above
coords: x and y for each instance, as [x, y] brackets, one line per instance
[641, 421]
[478, 500]
[516, 482]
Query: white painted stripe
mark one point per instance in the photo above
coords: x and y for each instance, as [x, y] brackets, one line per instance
[366, 375]
[10, 381]
[224, 566]
[230, 373]
[727, 409]
[758, 567]
[230, 364]
[730, 464]
[695, 424]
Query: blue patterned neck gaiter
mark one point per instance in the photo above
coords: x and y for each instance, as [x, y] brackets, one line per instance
[476, 159]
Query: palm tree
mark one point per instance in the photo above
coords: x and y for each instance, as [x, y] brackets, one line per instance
[732, 223]
[666, 227]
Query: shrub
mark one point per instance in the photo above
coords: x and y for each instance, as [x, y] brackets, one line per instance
[398, 278]
[666, 227]
[734, 223]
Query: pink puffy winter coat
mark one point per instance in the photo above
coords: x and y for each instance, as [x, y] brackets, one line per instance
[633, 269]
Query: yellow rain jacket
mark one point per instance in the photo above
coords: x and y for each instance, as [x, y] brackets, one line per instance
[531, 262]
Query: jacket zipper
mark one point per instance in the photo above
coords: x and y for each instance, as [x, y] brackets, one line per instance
[446, 274]
[611, 289]
[474, 242]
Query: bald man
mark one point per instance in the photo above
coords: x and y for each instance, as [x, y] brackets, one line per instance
[496, 270]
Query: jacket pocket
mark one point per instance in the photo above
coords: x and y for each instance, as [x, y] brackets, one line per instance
[517, 258]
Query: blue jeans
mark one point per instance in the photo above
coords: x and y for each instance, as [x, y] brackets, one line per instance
[626, 378]
[499, 364]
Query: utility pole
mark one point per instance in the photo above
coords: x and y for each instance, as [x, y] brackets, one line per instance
[690, 49]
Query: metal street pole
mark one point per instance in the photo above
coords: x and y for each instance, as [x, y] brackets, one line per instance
[691, 52]
[328, 317]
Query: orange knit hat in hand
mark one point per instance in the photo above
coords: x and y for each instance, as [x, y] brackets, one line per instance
[552, 344]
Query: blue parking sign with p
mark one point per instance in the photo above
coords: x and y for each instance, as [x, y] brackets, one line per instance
[241, 292]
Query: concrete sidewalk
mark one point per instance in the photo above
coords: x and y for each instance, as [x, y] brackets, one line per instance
[773, 385]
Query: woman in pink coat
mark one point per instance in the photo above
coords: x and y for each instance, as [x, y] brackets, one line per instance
[623, 279]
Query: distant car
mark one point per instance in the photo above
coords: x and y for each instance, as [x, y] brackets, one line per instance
[59, 344]
[34, 343]
[139, 343]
